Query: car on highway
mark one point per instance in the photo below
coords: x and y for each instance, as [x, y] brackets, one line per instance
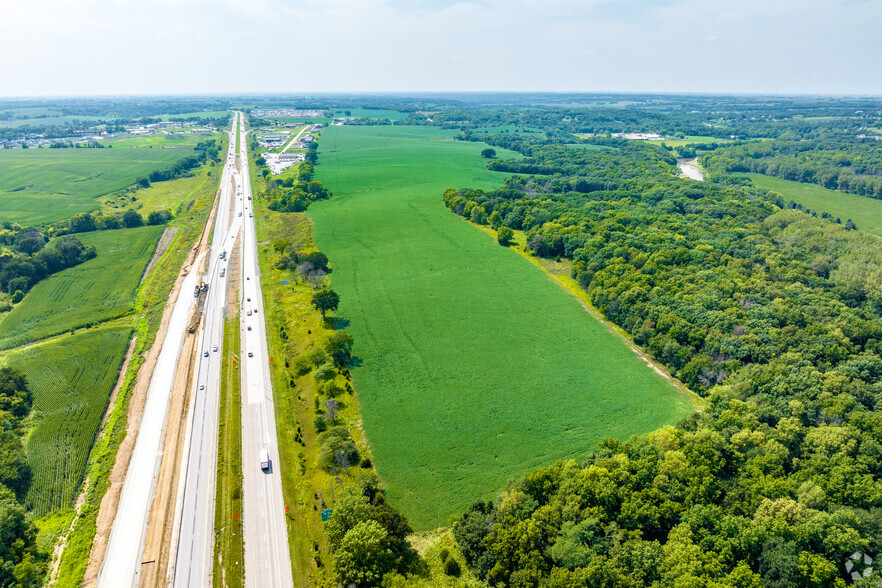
[249, 327]
[202, 386]
[248, 300]
[248, 313]
[214, 348]
[255, 311]
[205, 354]
[250, 354]
[264, 459]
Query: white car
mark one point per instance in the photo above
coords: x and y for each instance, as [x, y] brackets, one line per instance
[214, 348]
[202, 386]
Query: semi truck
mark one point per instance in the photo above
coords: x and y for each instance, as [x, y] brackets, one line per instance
[264, 459]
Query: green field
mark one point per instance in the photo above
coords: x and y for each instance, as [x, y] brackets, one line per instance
[690, 139]
[198, 114]
[159, 196]
[97, 290]
[371, 113]
[45, 185]
[507, 129]
[865, 212]
[475, 366]
[71, 380]
[159, 139]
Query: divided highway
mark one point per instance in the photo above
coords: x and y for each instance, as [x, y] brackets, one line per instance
[122, 560]
[195, 546]
[267, 559]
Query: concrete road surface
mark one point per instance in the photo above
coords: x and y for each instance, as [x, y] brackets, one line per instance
[193, 561]
[122, 560]
[267, 559]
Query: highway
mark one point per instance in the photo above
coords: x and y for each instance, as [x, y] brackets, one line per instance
[267, 559]
[195, 539]
[122, 560]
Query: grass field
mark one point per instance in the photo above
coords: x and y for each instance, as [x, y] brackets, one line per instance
[45, 185]
[512, 129]
[159, 196]
[690, 139]
[475, 366]
[199, 114]
[71, 380]
[97, 290]
[159, 139]
[371, 113]
[229, 548]
[865, 212]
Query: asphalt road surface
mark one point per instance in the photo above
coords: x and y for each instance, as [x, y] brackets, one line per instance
[267, 559]
[122, 560]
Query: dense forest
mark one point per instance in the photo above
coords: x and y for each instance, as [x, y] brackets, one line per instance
[21, 563]
[772, 315]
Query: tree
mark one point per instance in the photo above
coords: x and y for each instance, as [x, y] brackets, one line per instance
[339, 347]
[850, 226]
[131, 219]
[504, 235]
[364, 556]
[488, 153]
[351, 508]
[325, 300]
[159, 217]
[143, 182]
[29, 242]
[82, 223]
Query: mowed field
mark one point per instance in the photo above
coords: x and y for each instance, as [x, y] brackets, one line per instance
[46, 185]
[97, 290]
[71, 380]
[865, 212]
[475, 366]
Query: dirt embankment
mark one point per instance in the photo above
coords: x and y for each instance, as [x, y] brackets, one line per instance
[168, 235]
[110, 500]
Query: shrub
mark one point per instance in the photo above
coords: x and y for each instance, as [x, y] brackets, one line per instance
[324, 373]
[320, 424]
[302, 365]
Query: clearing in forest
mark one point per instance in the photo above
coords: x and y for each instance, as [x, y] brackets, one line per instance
[474, 366]
[864, 211]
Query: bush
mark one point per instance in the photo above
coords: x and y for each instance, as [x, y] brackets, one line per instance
[302, 365]
[324, 373]
[320, 424]
[17, 297]
[366, 463]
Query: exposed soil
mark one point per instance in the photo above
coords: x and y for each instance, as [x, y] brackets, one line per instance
[110, 500]
[160, 525]
[168, 235]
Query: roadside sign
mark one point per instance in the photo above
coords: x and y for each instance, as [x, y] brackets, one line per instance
[326, 514]
[284, 281]
[266, 217]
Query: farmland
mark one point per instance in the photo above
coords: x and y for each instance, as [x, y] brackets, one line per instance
[474, 365]
[159, 196]
[97, 290]
[865, 212]
[45, 185]
[71, 380]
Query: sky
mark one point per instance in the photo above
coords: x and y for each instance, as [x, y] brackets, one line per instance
[101, 47]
